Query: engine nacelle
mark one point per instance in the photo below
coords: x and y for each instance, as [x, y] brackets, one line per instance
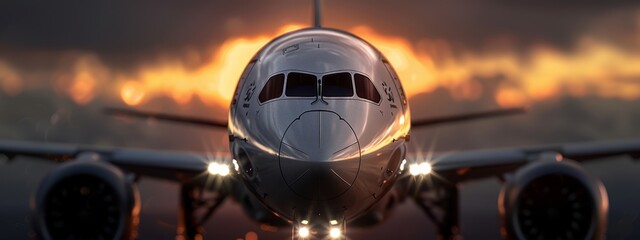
[86, 199]
[551, 199]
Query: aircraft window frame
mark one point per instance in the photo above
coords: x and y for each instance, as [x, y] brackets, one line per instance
[370, 88]
[267, 93]
[335, 94]
[319, 87]
[289, 92]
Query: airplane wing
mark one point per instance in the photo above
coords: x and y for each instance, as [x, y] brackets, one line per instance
[123, 112]
[175, 166]
[109, 174]
[540, 177]
[470, 165]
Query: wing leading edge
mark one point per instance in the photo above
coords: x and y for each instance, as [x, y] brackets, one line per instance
[529, 174]
[470, 165]
[175, 166]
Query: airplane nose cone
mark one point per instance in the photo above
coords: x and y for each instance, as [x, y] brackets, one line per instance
[319, 156]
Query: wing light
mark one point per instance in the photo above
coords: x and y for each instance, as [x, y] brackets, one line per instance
[420, 169]
[215, 168]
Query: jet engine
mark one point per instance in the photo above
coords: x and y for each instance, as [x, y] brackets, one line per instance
[553, 200]
[86, 199]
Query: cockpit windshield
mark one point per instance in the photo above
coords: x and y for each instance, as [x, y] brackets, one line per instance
[337, 85]
[365, 88]
[273, 88]
[332, 85]
[301, 85]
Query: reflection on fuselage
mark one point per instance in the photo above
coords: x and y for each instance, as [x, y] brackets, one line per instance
[318, 125]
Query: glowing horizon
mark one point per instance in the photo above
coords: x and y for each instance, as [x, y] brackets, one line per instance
[539, 74]
[593, 68]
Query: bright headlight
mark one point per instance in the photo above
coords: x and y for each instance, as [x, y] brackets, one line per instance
[215, 168]
[420, 169]
[303, 232]
[224, 170]
[334, 232]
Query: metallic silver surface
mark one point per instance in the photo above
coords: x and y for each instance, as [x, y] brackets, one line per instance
[307, 153]
[319, 156]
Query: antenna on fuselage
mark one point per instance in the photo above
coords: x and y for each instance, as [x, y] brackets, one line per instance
[317, 11]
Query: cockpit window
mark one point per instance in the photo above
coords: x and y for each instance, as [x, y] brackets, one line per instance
[273, 88]
[365, 88]
[337, 85]
[301, 85]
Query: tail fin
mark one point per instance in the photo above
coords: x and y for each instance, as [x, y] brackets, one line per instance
[317, 11]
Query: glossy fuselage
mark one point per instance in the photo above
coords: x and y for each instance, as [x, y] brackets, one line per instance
[318, 157]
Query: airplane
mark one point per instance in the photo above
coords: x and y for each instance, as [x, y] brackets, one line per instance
[318, 131]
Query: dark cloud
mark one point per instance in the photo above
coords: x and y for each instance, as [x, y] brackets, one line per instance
[106, 26]
[130, 30]
[125, 32]
[472, 22]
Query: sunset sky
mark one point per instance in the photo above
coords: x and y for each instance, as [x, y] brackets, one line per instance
[575, 63]
[137, 52]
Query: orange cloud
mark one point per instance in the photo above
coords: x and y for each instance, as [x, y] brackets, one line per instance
[85, 77]
[594, 68]
[10, 80]
[212, 83]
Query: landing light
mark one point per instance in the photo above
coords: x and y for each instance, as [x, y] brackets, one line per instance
[215, 168]
[334, 232]
[420, 169]
[235, 165]
[303, 232]
[404, 162]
